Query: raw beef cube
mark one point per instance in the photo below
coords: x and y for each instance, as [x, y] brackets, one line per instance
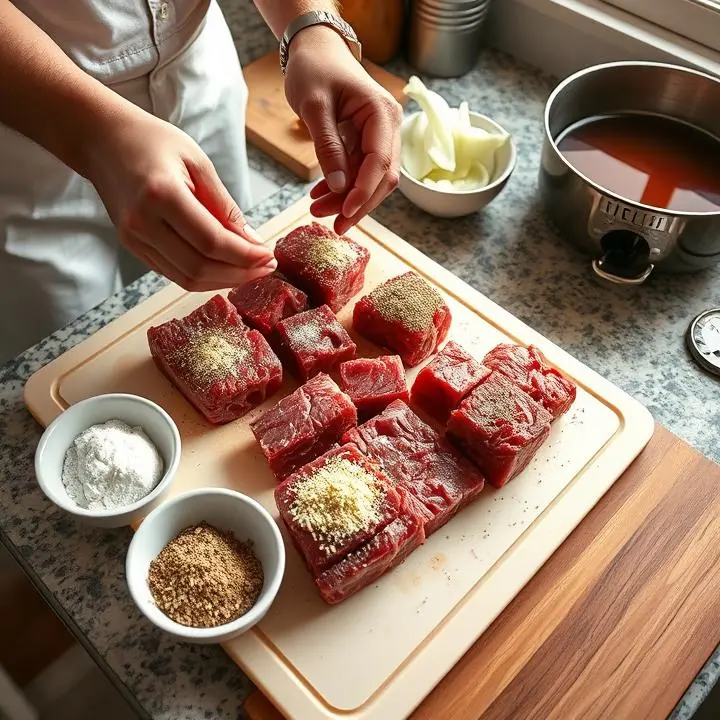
[373, 383]
[330, 268]
[220, 366]
[334, 505]
[383, 552]
[446, 380]
[313, 341]
[264, 302]
[304, 424]
[528, 368]
[419, 459]
[500, 427]
[405, 315]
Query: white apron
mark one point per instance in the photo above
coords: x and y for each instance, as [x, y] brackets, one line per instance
[59, 254]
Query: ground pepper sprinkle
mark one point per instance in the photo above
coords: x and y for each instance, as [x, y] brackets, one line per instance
[212, 355]
[407, 299]
[205, 577]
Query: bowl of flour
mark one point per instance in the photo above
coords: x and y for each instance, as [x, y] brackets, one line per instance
[108, 460]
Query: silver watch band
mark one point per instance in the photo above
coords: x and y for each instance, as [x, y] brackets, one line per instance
[318, 17]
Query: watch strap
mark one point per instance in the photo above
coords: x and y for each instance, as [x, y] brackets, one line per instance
[318, 17]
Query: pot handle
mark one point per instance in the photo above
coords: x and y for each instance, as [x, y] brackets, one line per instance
[603, 274]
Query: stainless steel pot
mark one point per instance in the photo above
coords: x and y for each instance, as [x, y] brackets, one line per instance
[628, 240]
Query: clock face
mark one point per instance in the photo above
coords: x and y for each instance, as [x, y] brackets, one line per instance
[703, 340]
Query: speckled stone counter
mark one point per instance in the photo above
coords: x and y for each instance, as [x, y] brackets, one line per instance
[510, 253]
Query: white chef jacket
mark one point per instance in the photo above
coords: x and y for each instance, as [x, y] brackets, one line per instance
[59, 254]
[117, 40]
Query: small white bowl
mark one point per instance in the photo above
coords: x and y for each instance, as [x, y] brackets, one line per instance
[59, 436]
[456, 203]
[225, 510]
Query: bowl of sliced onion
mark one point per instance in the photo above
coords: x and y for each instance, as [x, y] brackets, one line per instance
[454, 161]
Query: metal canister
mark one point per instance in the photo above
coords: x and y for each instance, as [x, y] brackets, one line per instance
[446, 35]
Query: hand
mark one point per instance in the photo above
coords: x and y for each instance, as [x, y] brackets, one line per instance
[170, 207]
[353, 121]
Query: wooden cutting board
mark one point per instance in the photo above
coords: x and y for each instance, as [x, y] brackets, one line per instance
[620, 619]
[272, 125]
[416, 622]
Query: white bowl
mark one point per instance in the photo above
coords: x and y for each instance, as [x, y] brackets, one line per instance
[456, 203]
[225, 510]
[59, 435]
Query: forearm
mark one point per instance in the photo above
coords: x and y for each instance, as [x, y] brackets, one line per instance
[279, 13]
[45, 96]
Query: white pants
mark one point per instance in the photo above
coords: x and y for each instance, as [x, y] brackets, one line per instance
[59, 254]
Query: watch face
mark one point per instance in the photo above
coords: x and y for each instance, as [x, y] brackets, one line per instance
[703, 340]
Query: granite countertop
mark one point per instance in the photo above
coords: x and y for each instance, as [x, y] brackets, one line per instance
[509, 252]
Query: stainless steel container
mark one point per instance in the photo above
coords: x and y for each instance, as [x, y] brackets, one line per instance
[445, 35]
[627, 240]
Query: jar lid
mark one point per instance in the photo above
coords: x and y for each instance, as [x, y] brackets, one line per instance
[703, 340]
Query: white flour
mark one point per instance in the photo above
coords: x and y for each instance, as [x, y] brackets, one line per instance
[111, 465]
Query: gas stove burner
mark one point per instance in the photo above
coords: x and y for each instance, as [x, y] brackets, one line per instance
[703, 340]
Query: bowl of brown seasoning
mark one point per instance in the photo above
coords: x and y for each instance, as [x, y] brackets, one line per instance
[206, 565]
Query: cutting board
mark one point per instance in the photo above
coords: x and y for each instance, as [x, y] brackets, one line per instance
[378, 654]
[271, 124]
[620, 619]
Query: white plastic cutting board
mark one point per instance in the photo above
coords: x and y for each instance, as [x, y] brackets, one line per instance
[376, 656]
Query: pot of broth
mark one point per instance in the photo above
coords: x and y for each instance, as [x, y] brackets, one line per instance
[630, 168]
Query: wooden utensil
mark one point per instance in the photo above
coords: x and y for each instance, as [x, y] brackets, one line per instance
[620, 619]
[272, 125]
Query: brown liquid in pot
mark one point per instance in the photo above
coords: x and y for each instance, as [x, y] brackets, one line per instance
[649, 159]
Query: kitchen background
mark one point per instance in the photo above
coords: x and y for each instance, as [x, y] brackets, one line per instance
[57, 677]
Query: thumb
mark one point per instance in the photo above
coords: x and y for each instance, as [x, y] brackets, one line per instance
[212, 193]
[329, 147]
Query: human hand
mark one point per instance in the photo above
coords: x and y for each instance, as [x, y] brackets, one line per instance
[353, 121]
[170, 207]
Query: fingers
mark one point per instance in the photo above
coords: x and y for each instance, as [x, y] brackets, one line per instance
[319, 190]
[193, 222]
[202, 280]
[213, 195]
[318, 113]
[378, 174]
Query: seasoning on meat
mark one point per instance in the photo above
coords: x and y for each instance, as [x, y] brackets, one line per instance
[500, 427]
[405, 315]
[313, 341]
[529, 370]
[370, 561]
[334, 504]
[223, 368]
[416, 457]
[330, 268]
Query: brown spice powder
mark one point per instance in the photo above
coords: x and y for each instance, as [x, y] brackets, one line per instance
[205, 577]
[409, 300]
[212, 355]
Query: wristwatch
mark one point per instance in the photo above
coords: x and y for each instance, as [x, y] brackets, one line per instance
[318, 17]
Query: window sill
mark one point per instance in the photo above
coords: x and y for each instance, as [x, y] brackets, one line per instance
[563, 36]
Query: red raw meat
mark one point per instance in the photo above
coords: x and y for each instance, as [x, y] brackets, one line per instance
[264, 302]
[220, 366]
[373, 383]
[334, 505]
[500, 427]
[383, 552]
[419, 459]
[405, 315]
[330, 268]
[313, 341]
[443, 383]
[528, 368]
[304, 424]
